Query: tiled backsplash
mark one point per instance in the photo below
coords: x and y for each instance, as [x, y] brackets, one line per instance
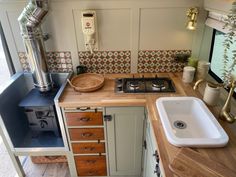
[106, 61]
[160, 61]
[113, 61]
[56, 61]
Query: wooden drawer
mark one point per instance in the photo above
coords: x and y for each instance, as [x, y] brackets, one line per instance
[84, 118]
[91, 165]
[85, 148]
[77, 134]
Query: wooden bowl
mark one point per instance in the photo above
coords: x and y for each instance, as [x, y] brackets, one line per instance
[87, 82]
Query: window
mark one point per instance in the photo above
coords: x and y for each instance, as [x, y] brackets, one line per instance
[216, 55]
[6, 69]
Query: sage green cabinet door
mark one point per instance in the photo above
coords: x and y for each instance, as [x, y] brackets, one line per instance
[125, 139]
[150, 161]
[150, 164]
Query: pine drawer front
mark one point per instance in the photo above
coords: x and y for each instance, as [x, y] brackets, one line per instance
[91, 165]
[87, 148]
[80, 134]
[84, 118]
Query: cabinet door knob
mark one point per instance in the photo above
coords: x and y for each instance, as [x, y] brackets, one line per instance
[107, 117]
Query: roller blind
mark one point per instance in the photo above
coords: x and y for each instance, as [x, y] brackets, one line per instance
[216, 21]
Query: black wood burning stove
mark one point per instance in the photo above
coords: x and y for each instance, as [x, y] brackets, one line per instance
[40, 110]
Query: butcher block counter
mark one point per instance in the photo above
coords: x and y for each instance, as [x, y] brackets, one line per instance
[223, 159]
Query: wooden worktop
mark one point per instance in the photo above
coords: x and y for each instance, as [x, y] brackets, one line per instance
[106, 97]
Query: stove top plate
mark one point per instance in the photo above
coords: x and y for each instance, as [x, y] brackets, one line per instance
[144, 85]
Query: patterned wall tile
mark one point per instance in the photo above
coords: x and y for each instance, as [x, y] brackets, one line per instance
[24, 61]
[56, 61]
[112, 61]
[160, 61]
[106, 61]
[59, 61]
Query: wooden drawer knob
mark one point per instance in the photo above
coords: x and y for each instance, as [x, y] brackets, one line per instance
[88, 148]
[91, 173]
[88, 134]
[84, 119]
[91, 161]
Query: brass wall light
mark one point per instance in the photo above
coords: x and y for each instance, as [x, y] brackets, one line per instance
[192, 14]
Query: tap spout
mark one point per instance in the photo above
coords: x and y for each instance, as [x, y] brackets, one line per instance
[198, 83]
[209, 82]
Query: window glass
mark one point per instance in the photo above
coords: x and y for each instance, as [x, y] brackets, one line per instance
[4, 69]
[217, 54]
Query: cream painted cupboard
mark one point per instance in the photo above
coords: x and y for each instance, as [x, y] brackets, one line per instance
[125, 127]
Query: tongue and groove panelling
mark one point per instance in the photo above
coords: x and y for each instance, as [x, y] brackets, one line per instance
[130, 27]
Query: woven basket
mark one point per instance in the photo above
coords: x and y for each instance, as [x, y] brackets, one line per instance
[48, 159]
[87, 82]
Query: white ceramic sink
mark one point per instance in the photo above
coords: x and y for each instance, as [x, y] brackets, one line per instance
[188, 122]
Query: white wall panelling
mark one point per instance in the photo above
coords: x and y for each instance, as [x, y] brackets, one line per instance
[60, 25]
[11, 42]
[135, 38]
[164, 28]
[122, 25]
[198, 36]
[204, 53]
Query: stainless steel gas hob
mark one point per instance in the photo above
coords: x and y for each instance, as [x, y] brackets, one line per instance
[144, 85]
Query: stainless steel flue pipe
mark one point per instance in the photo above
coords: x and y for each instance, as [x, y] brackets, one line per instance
[30, 25]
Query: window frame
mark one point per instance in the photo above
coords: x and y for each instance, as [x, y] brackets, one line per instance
[9, 61]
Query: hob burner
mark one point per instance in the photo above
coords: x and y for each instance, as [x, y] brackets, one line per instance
[158, 83]
[134, 85]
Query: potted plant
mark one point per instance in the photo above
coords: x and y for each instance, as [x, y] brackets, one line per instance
[229, 42]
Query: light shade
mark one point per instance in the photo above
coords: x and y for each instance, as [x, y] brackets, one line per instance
[191, 25]
[192, 14]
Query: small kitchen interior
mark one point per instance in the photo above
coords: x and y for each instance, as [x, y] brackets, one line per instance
[118, 88]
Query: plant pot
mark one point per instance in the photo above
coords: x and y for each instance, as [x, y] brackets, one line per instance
[211, 95]
[188, 74]
[202, 70]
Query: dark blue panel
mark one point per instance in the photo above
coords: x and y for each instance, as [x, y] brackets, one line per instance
[13, 117]
[36, 98]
